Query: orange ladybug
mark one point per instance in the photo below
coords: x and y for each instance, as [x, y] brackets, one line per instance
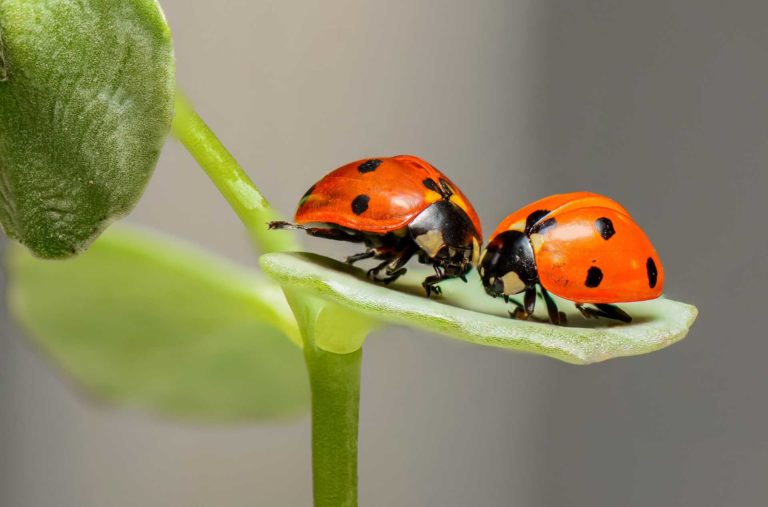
[398, 207]
[583, 247]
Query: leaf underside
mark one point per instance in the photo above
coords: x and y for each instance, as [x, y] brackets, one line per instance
[86, 102]
[153, 324]
[466, 313]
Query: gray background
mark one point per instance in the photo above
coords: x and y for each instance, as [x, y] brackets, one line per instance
[660, 104]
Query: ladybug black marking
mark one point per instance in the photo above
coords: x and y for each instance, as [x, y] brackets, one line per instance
[594, 277]
[541, 226]
[307, 194]
[431, 184]
[311, 189]
[605, 227]
[533, 218]
[369, 166]
[360, 204]
[653, 273]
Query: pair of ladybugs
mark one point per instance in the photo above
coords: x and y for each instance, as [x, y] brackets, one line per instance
[580, 246]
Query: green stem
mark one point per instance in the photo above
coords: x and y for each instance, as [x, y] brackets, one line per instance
[334, 378]
[335, 383]
[233, 183]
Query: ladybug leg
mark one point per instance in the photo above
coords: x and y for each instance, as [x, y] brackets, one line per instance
[584, 311]
[335, 234]
[430, 285]
[393, 268]
[430, 282]
[530, 301]
[362, 255]
[605, 311]
[524, 310]
[555, 316]
[280, 224]
[320, 232]
[424, 258]
[614, 312]
[519, 313]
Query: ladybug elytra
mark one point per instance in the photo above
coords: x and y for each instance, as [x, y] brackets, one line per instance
[581, 246]
[398, 207]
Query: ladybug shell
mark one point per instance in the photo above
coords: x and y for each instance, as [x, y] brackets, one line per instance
[535, 211]
[588, 249]
[378, 195]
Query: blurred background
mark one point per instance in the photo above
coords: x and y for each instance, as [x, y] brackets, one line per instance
[661, 105]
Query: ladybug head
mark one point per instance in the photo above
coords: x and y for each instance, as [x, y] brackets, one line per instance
[446, 237]
[508, 266]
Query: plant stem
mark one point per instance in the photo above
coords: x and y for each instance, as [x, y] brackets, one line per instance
[335, 384]
[334, 378]
[231, 180]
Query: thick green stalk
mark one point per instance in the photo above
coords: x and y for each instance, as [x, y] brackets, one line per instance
[334, 378]
[233, 183]
[335, 383]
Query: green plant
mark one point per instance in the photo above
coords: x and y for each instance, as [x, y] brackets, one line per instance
[86, 98]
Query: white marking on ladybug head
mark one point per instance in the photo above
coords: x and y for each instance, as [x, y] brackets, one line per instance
[475, 251]
[431, 242]
[512, 283]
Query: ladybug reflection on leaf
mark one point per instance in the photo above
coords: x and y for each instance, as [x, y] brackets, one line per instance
[398, 207]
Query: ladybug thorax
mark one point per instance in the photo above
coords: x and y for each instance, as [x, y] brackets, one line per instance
[445, 234]
[508, 265]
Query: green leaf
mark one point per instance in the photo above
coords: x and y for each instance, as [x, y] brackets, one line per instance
[86, 101]
[466, 313]
[331, 327]
[151, 323]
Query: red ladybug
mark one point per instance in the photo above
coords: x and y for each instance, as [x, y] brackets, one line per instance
[397, 207]
[583, 247]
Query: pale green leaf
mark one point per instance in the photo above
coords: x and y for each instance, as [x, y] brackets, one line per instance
[328, 326]
[86, 102]
[466, 313]
[151, 323]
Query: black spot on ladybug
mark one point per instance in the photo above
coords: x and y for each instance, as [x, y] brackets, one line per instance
[605, 227]
[307, 194]
[533, 218]
[541, 226]
[369, 166]
[653, 273]
[360, 204]
[594, 277]
[431, 184]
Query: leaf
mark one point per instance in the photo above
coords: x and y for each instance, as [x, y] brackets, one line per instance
[331, 327]
[466, 313]
[86, 101]
[150, 323]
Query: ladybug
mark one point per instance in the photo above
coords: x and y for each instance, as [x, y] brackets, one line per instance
[581, 246]
[398, 207]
